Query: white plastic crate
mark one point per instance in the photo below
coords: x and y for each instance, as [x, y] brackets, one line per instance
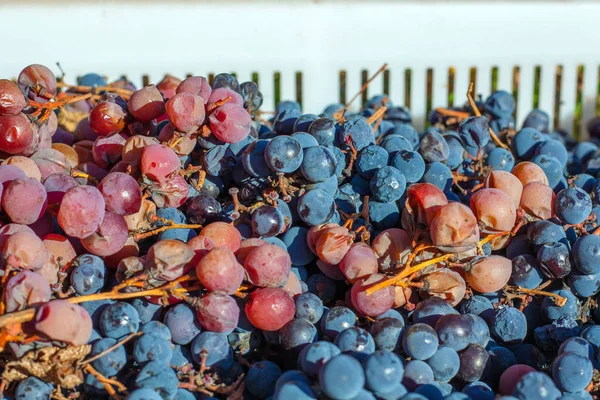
[300, 49]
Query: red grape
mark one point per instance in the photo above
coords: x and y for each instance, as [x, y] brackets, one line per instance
[24, 200]
[121, 193]
[63, 321]
[16, 133]
[201, 245]
[359, 262]
[454, 229]
[110, 236]
[230, 123]
[196, 85]
[218, 313]
[378, 302]
[331, 271]
[146, 104]
[389, 245]
[269, 309]
[494, 209]
[219, 271]
[108, 151]
[159, 162]
[25, 250]
[538, 200]
[25, 289]
[171, 192]
[511, 376]
[489, 274]
[81, 211]
[11, 98]
[168, 85]
[314, 233]
[10, 229]
[37, 75]
[422, 203]
[223, 235]
[56, 185]
[186, 111]
[527, 172]
[169, 259]
[246, 246]
[139, 220]
[333, 244]
[268, 266]
[107, 118]
[508, 183]
[134, 148]
[222, 93]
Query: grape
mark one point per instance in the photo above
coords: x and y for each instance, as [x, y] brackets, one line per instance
[295, 240]
[32, 388]
[489, 274]
[422, 203]
[572, 372]
[197, 85]
[24, 200]
[572, 205]
[186, 111]
[388, 184]
[551, 167]
[375, 304]
[494, 209]
[25, 164]
[359, 262]
[318, 164]
[230, 123]
[23, 249]
[218, 313]
[182, 323]
[11, 98]
[416, 372]
[508, 326]
[119, 320]
[538, 200]
[63, 321]
[528, 172]
[324, 129]
[268, 266]
[535, 385]
[410, 164]
[25, 289]
[284, 154]
[134, 148]
[169, 259]
[506, 182]
[526, 272]
[309, 307]
[297, 334]
[221, 93]
[223, 235]
[110, 363]
[434, 147]
[108, 151]
[455, 228]
[36, 74]
[389, 245]
[159, 376]
[553, 312]
[159, 162]
[267, 221]
[525, 141]
[501, 159]
[554, 260]
[383, 371]
[371, 159]
[121, 193]
[16, 134]
[473, 360]
[146, 104]
[219, 271]
[333, 244]
[474, 131]
[270, 309]
[107, 118]
[171, 192]
[261, 378]
[446, 284]
[183, 145]
[217, 349]
[342, 377]
[88, 275]
[81, 211]
[110, 237]
[500, 104]
[253, 159]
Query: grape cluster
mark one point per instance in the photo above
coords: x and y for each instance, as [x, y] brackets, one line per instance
[171, 243]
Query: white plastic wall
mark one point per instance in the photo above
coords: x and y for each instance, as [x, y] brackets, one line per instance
[319, 39]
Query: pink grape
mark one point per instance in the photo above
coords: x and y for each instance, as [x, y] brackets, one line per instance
[37, 75]
[146, 104]
[269, 309]
[196, 85]
[331, 271]
[121, 193]
[9, 173]
[538, 200]
[93, 170]
[139, 220]
[489, 274]
[134, 148]
[24, 200]
[168, 85]
[359, 262]
[223, 235]
[9, 229]
[26, 165]
[293, 286]
[159, 162]
[171, 192]
[16, 133]
[201, 245]
[527, 172]
[219, 271]
[60, 248]
[218, 313]
[65, 322]
[222, 93]
[445, 284]
[110, 236]
[402, 296]
[25, 250]
[49, 272]
[389, 246]
[83, 131]
[423, 201]
[186, 144]
[129, 267]
[494, 209]
[454, 229]
[107, 118]
[81, 211]
[25, 289]
[186, 111]
[333, 244]
[268, 266]
[230, 123]
[314, 233]
[12, 100]
[511, 376]
[130, 249]
[56, 185]
[71, 155]
[169, 259]
[246, 246]
[375, 304]
[107, 151]
[508, 183]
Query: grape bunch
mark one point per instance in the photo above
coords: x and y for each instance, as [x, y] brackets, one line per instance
[171, 243]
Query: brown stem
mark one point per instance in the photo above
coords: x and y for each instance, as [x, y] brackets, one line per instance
[558, 300]
[111, 348]
[340, 115]
[126, 94]
[446, 112]
[139, 236]
[107, 383]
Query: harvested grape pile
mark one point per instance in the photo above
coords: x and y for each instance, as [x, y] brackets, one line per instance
[175, 242]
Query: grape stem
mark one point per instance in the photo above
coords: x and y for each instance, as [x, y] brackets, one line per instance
[446, 112]
[171, 225]
[478, 114]
[213, 106]
[558, 300]
[43, 110]
[111, 348]
[340, 114]
[126, 94]
[376, 116]
[107, 383]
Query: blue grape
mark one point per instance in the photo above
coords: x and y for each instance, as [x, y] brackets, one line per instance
[572, 205]
[388, 184]
[261, 378]
[356, 131]
[585, 182]
[147, 311]
[309, 307]
[408, 132]
[383, 215]
[477, 305]
[554, 148]
[410, 163]
[444, 363]
[294, 390]
[32, 388]
[577, 345]
[501, 359]
[295, 241]
[340, 160]
[592, 335]
[428, 311]
[439, 175]
[342, 377]
[584, 285]
[315, 355]
[219, 161]
[434, 147]
[330, 186]
[224, 80]
[537, 119]
[315, 207]
[305, 139]
[238, 148]
[323, 286]
[88, 276]
[348, 200]
[267, 221]
[179, 217]
[360, 185]
[554, 260]
[370, 159]
[144, 394]
[318, 164]
[324, 129]
[502, 123]
[387, 333]
[287, 105]
[95, 308]
[509, 326]
[500, 104]
[159, 376]
[253, 159]
[479, 391]
[304, 122]
[474, 131]
[181, 356]
[552, 311]
[453, 331]
[479, 331]
[551, 167]
[526, 271]
[285, 120]
[91, 79]
[583, 151]
[118, 320]
[586, 253]
[297, 333]
[542, 232]
[356, 342]
[525, 141]
[420, 341]
[151, 347]
[284, 154]
[456, 150]
[111, 363]
[473, 361]
[292, 375]
[431, 391]
[156, 328]
[572, 372]
[395, 143]
[416, 372]
[520, 245]
[383, 371]
[183, 323]
[217, 349]
[501, 159]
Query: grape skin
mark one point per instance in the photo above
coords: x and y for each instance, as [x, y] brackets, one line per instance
[219, 271]
[63, 321]
[268, 266]
[270, 309]
[24, 200]
[25, 289]
[81, 211]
